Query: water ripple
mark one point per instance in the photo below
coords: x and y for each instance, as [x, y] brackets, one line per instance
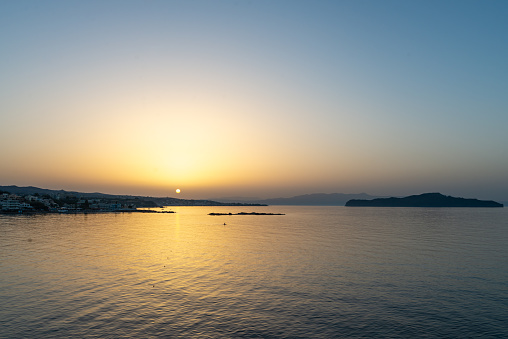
[317, 272]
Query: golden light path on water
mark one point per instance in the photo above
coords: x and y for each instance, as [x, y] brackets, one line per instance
[318, 272]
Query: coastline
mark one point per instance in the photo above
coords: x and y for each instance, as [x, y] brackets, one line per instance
[26, 212]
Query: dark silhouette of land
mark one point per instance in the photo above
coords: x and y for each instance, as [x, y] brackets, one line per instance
[316, 199]
[62, 196]
[424, 200]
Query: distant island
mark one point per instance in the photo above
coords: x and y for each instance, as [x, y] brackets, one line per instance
[423, 200]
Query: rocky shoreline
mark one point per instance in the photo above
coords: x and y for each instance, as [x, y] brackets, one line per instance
[32, 212]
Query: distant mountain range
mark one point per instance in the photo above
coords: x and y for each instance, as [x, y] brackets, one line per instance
[140, 201]
[317, 199]
[30, 190]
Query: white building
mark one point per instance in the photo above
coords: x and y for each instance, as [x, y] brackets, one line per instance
[10, 205]
[25, 206]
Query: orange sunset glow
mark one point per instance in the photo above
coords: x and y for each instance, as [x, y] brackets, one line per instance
[134, 99]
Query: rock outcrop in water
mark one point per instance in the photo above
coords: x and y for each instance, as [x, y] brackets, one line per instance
[246, 213]
[424, 200]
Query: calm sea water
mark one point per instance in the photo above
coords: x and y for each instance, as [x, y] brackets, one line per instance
[316, 272]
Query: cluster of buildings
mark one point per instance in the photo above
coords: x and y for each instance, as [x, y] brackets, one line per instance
[101, 205]
[12, 203]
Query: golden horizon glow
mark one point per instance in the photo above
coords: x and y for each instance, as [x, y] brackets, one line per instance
[144, 99]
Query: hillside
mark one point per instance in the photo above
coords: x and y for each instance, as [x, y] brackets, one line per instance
[139, 201]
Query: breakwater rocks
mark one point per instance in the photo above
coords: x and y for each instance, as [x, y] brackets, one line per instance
[151, 211]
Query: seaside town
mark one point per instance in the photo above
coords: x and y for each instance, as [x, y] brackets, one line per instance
[29, 200]
[60, 203]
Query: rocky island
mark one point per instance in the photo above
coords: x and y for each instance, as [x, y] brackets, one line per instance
[424, 200]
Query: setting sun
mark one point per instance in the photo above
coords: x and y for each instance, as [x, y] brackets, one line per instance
[177, 190]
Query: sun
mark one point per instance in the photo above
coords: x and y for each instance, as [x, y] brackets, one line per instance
[177, 190]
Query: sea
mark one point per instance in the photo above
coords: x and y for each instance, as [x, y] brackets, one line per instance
[314, 272]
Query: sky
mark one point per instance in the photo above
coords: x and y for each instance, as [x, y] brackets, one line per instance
[255, 98]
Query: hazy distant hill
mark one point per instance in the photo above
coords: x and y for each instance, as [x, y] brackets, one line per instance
[33, 190]
[138, 200]
[424, 200]
[317, 199]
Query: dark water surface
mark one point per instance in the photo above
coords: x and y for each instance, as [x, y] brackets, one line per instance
[316, 272]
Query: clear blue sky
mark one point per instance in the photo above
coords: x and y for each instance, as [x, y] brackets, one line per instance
[255, 98]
